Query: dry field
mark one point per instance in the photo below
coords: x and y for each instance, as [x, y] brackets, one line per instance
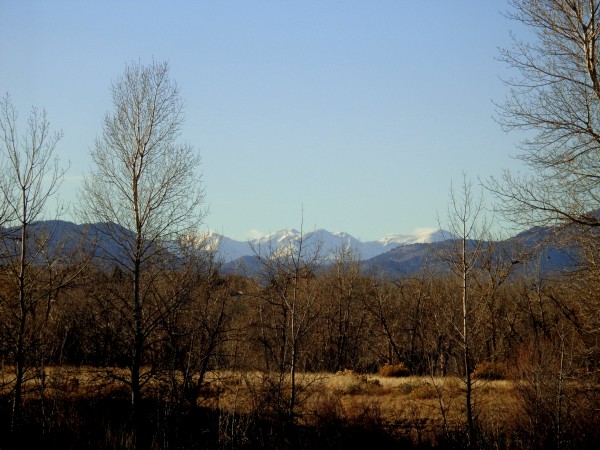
[416, 407]
[419, 407]
[86, 404]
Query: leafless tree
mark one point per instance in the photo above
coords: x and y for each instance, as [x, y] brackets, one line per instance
[342, 292]
[555, 98]
[464, 253]
[203, 333]
[145, 190]
[290, 299]
[31, 177]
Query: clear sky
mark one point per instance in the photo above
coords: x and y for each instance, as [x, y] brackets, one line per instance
[347, 115]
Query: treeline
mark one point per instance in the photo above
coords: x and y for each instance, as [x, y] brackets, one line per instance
[326, 317]
[302, 314]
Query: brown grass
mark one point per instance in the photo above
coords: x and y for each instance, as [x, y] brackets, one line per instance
[413, 405]
[416, 406]
[394, 370]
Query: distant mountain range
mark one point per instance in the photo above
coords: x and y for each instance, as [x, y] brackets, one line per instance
[534, 251]
[328, 243]
[393, 255]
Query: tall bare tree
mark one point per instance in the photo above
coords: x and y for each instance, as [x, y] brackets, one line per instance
[31, 177]
[290, 298]
[145, 189]
[464, 254]
[555, 98]
[343, 290]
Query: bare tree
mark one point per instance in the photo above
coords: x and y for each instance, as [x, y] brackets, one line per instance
[202, 332]
[290, 298]
[31, 177]
[343, 290]
[464, 255]
[145, 190]
[555, 97]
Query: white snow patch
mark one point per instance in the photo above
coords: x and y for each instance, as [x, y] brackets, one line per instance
[328, 242]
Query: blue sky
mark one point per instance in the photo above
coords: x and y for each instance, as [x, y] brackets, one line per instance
[346, 115]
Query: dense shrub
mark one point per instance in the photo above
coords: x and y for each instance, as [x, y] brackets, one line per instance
[394, 370]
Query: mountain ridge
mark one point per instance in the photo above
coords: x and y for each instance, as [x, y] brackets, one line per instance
[230, 249]
[393, 255]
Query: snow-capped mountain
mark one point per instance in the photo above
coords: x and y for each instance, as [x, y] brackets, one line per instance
[535, 249]
[327, 242]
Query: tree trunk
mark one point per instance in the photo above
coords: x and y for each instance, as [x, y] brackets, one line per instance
[466, 345]
[20, 350]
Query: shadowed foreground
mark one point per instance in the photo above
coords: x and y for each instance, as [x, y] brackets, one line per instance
[240, 410]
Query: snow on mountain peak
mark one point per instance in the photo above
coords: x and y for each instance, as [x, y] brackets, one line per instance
[418, 236]
[276, 239]
[328, 242]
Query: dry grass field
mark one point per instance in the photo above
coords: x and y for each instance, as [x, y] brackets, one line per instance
[419, 408]
[430, 401]
[233, 406]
